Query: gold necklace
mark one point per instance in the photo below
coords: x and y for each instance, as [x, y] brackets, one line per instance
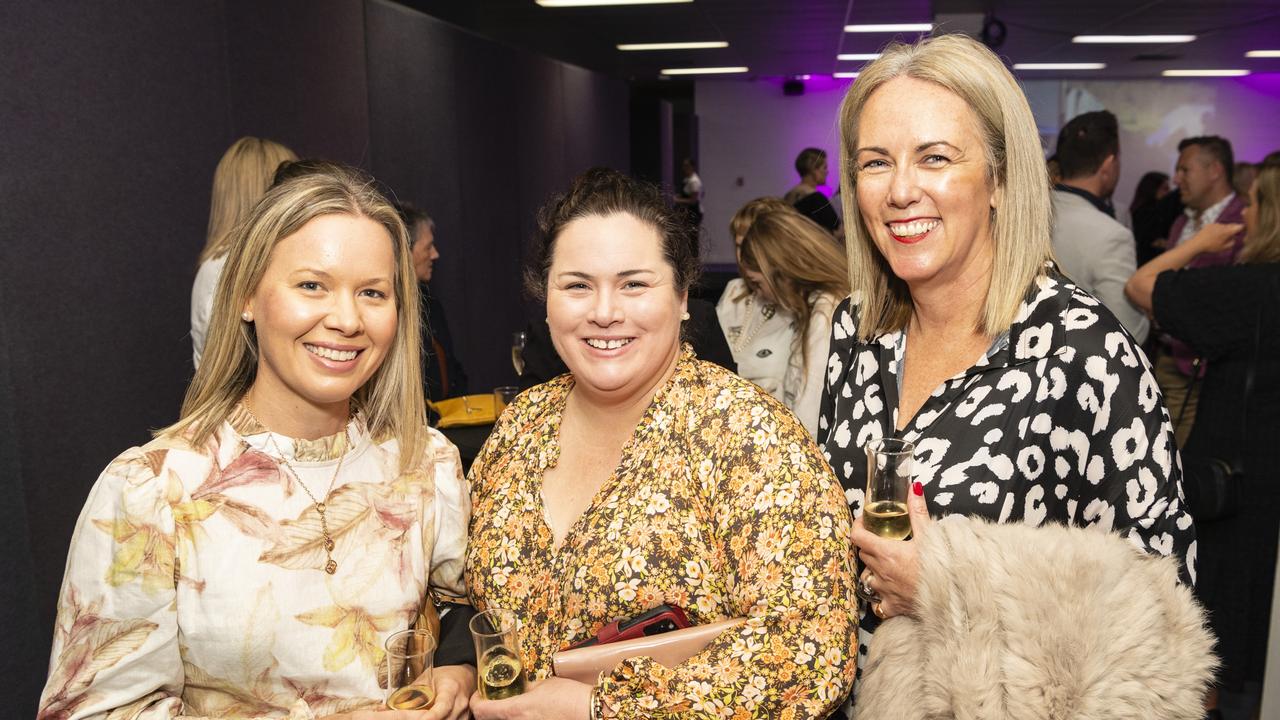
[331, 566]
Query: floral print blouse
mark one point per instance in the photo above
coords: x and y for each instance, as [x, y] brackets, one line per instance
[722, 505]
[195, 582]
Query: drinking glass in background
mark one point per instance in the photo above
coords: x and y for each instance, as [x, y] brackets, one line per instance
[410, 655]
[501, 671]
[518, 341]
[884, 512]
[502, 397]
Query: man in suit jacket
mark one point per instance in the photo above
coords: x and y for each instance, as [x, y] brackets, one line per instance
[1094, 250]
[1204, 176]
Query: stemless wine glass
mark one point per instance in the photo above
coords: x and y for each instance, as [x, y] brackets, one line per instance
[410, 656]
[518, 341]
[884, 509]
[501, 671]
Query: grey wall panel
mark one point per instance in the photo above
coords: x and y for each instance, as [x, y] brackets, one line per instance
[480, 135]
[108, 147]
[297, 74]
[113, 118]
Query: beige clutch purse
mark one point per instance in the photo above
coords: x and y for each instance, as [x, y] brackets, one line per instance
[669, 648]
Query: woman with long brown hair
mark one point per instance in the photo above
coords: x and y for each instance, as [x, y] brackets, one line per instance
[788, 260]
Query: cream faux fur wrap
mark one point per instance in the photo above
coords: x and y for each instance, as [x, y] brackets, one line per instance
[1044, 622]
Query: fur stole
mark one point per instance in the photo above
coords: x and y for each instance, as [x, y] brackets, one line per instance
[1048, 622]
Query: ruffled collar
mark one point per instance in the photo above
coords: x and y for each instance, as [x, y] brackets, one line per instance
[300, 450]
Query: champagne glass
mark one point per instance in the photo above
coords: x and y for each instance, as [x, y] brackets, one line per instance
[410, 656]
[518, 341]
[884, 509]
[501, 670]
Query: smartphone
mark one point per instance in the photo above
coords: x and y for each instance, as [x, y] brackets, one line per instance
[655, 621]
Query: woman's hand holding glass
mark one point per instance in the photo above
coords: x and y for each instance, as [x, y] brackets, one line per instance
[893, 508]
[552, 699]
[893, 565]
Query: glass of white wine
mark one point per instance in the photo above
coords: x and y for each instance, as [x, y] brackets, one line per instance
[501, 668]
[518, 342]
[884, 509]
[410, 656]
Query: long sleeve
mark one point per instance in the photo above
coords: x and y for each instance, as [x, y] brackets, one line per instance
[116, 637]
[202, 293]
[452, 508]
[812, 375]
[1114, 436]
[1112, 269]
[780, 513]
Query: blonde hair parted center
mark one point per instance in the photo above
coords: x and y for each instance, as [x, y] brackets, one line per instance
[1020, 223]
[391, 402]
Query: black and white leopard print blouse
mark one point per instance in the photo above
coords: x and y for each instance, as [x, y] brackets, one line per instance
[1060, 421]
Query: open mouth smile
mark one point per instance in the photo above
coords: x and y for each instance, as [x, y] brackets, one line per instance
[608, 344]
[910, 231]
[330, 353]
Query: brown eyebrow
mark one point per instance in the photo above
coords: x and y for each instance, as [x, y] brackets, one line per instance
[623, 274]
[919, 148]
[326, 276]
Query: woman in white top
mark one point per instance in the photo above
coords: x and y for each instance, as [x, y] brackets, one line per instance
[778, 317]
[241, 179]
[251, 560]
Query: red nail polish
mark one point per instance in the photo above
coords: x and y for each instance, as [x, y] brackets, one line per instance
[918, 489]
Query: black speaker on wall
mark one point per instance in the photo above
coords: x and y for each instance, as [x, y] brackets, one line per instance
[792, 87]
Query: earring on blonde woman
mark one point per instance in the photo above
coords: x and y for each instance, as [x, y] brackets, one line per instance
[246, 316]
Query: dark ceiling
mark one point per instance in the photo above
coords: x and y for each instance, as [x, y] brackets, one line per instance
[792, 37]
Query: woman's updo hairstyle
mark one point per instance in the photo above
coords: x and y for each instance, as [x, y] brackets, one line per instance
[603, 192]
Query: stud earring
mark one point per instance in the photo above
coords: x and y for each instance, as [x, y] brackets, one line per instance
[246, 316]
[684, 315]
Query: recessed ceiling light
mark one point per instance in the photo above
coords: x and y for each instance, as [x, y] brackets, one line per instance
[1113, 39]
[1263, 53]
[1060, 66]
[704, 70]
[590, 3]
[674, 46]
[844, 75]
[857, 56]
[889, 27]
[1204, 73]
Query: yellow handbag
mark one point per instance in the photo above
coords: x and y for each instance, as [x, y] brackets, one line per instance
[465, 410]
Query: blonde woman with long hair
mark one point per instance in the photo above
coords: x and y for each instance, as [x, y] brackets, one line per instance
[1029, 413]
[251, 560]
[1230, 316]
[788, 260]
[241, 179]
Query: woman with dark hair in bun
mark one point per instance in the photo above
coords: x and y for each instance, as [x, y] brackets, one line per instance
[646, 477]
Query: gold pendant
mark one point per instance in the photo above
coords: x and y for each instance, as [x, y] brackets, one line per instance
[331, 567]
[328, 544]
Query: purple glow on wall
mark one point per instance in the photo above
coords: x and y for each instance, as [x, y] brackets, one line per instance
[1266, 88]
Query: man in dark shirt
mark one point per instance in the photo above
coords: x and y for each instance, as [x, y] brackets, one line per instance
[442, 374]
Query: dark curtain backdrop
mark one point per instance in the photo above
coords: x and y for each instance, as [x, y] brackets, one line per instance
[480, 135]
[114, 116]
